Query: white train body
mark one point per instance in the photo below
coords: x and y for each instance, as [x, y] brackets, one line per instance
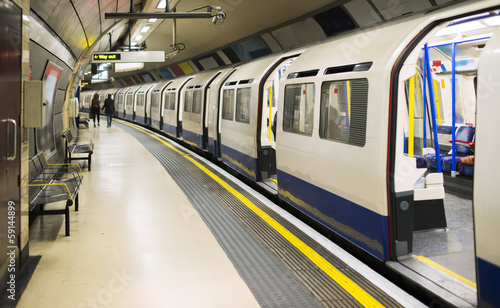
[173, 107]
[142, 102]
[157, 103]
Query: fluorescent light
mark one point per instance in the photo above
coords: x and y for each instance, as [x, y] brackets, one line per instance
[125, 67]
[133, 44]
[138, 38]
[162, 4]
[145, 29]
[460, 28]
[152, 19]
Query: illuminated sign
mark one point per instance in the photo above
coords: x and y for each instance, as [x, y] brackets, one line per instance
[128, 57]
[107, 57]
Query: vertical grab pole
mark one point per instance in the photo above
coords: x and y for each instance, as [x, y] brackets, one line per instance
[453, 110]
[424, 98]
[411, 116]
[433, 107]
[347, 105]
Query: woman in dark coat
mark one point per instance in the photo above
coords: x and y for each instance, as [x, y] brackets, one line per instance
[95, 108]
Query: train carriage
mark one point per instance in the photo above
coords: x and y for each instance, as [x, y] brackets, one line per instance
[86, 99]
[120, 102]
[157, 103]
[143, 99]
[244, 94]
[212, 119]
[130, 103]
[194, 115]
[173, 107]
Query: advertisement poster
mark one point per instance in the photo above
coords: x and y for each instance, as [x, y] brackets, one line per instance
[45, 135]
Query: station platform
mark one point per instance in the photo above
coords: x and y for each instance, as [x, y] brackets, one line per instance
[159, 226]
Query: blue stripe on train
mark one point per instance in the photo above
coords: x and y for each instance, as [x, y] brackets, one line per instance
[488, 284]
[170, 129]
[192, 138]
[139, 119]
[363, 227]
[129, 116]
[240, 162]
[212, 146]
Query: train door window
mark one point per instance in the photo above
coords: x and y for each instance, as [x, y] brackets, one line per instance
[228, 104]
[343, 111]
[154, 101]
[188, 101]
[197, 101]
[298, 112]
[243, 105]
[169, 101]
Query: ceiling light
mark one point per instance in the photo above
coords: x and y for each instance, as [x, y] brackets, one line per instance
[138, 38]
[162, 4]
[152, 19]
[145, 29]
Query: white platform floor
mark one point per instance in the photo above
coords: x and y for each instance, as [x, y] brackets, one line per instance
[136, 241]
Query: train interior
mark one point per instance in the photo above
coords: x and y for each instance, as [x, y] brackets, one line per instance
[440, 92]
[268, 124]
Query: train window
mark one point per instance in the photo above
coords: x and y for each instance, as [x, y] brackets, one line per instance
[169, 101]
[343, 111]
[197, 101]
[243, 105]
[188, 101]
[299, 108]
[228, 104]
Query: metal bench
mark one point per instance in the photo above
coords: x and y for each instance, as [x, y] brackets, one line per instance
[50, 183]
[78, 145]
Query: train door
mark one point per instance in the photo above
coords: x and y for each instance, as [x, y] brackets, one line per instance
[434, 172]
[267, 113]
[486, 171]
[10, 91]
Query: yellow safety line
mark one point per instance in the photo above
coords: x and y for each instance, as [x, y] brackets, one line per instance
[347, 284]
[438, 106]
[270, 110]
[447, 271]
[59, 184]
[411, 116]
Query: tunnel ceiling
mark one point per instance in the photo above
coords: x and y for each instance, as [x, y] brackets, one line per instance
[81, 24]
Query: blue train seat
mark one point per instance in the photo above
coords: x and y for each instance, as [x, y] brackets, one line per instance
[464, 141]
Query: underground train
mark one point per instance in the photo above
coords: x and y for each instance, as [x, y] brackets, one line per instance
[359, 132]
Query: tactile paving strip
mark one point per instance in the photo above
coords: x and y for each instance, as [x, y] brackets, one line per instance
[319, 284]
[271, 283]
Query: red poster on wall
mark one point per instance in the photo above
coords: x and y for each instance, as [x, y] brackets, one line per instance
[45, 135]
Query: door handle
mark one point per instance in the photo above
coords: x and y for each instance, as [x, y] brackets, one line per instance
[15, 138]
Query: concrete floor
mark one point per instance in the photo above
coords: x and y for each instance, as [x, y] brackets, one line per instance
[136, 241]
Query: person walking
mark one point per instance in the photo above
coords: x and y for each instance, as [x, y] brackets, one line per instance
[95, 108]
[109, 108]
